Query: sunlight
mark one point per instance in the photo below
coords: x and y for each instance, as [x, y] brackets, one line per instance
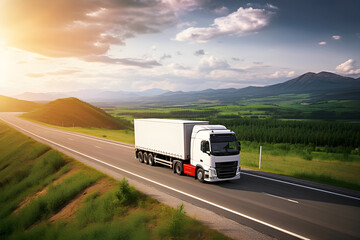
[3, 62]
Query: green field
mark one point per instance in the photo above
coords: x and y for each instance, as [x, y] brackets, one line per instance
[47, 195]
[284, 107]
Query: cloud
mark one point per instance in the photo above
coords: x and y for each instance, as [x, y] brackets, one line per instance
[35, 75]
[282, 74]
[349, 68]
[135, 62]
[185, 24]
[199, 52]
[208, 63]
[322, 43]
[244, 20]
[221, 10]
[272, 6]
[63, 72]
[54, 73]
[67, 28]
[237, 59]
[336, 37]
[165, 56]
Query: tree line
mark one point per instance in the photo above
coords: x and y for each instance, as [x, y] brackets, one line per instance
[317, 133]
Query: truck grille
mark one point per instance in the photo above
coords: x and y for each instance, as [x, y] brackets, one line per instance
[226, 169]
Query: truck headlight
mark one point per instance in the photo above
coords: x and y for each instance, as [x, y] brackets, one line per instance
[213, 171]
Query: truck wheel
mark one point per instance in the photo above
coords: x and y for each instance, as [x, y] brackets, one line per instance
[178, 168]
[150, 159]
[141, 157]
[146, 158]
[200, 175]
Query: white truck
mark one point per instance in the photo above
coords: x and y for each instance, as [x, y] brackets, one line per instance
[207, 152]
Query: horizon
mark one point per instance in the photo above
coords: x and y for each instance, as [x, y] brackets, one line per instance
[172, 45]
[166, 91]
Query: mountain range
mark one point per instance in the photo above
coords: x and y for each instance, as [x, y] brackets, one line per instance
[91, 95]
[319, 86]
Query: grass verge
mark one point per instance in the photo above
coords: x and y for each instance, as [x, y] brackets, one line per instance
[90, 210]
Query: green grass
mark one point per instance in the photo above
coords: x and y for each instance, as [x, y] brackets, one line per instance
[332, 172]
[30, 197]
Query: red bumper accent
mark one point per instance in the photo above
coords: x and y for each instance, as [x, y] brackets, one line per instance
[189, 169]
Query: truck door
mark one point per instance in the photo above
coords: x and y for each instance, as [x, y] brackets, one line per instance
[201, 153]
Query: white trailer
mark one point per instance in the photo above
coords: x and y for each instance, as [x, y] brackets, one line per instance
[207, 152]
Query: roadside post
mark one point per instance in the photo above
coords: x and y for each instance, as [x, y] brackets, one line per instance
[260, 157]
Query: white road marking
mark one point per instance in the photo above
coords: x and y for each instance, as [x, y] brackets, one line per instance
[290, 200]
[302, 186]
[71, 139]
[97, 146]
[168, 187]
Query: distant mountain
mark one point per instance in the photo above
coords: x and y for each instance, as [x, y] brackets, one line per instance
[152, 92]
[92, 95]
[321, 86]
[9, 104]
[316, 83]
[70, 112]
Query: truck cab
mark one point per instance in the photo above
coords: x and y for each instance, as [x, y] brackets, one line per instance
[215, 152]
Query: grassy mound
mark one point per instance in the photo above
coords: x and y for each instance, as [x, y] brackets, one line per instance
[8, 104]
[72, 112]
[47, 195]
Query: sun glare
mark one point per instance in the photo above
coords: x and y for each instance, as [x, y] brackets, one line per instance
[3, 62]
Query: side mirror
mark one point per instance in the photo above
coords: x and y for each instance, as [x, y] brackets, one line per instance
[239, 145]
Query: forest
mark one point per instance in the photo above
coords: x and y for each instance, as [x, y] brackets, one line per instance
[334, 136]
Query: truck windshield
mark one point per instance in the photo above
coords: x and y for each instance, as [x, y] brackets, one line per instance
[224, 144]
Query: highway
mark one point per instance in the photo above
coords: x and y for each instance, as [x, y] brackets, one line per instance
[278, 209]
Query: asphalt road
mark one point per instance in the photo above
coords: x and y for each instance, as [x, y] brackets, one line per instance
[280, 210]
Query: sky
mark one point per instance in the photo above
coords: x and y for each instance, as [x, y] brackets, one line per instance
[189, 45]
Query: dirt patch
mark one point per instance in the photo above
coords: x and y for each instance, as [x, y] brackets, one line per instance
[65, 175]
[67, 212]
[28, 199]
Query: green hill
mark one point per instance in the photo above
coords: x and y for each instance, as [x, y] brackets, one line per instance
[69, 112]
[9, 104]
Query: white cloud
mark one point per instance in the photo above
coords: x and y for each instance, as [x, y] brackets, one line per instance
[272, 6]
[244, 20]
[185, 24]
[282, 74]
[208, 63]
[349, 68]
[336, 37]
[322, 43]
[221, 10]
